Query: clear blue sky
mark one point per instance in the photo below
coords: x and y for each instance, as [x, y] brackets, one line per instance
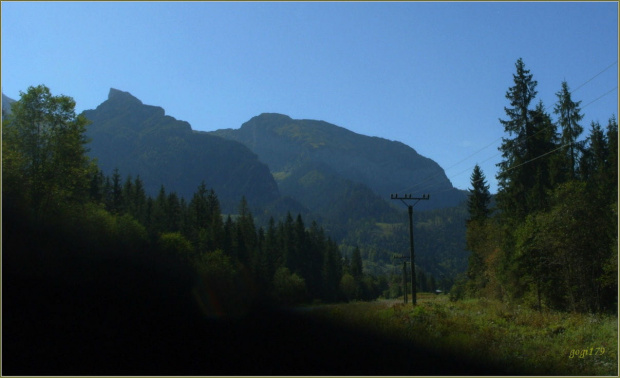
[432, 75]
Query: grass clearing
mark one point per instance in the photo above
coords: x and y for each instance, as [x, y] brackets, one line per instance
[512, 336]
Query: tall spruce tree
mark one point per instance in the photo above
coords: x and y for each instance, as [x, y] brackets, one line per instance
[479, 196]
[478, 206]
[569, 116]
[545, 167]
[514, 177]
[116, 200]
[593, 160]
[612, 160]
[246, 233]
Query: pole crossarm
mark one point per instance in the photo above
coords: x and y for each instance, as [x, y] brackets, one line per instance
[410, 197]
[403, 199]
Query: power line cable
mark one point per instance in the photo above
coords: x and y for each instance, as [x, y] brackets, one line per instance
[595, 76]
[521, 142]
[601, 96]
[546, 109]
[542, 155]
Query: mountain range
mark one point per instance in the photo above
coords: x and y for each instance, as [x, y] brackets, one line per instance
[303, 154]
[269, 156]
[325, 172]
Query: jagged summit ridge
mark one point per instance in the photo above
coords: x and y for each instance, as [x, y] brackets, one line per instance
[117, 94]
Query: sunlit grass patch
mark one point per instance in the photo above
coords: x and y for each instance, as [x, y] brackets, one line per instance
[515, 337]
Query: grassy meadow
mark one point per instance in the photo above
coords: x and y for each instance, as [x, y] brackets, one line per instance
[514, 337]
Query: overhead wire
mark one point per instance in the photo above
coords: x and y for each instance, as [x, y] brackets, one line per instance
[537, 157]
[548, 152]
[523, 141]
[595, 76]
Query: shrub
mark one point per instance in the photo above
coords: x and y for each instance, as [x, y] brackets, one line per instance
[288, 288]
[173, 243]
[221, 289]
[348, 287]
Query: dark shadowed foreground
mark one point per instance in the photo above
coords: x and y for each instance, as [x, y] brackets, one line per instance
[68, 313]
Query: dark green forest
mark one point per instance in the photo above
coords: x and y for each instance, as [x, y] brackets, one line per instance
[551, 240]
[50, 184]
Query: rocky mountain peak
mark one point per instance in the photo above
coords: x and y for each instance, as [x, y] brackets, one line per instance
[116, 94]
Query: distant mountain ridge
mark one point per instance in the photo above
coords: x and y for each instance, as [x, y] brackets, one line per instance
[142, 140]
[384, 166]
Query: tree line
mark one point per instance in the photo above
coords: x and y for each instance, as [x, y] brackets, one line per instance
[287, 261]
[551, 240]
[49, 182]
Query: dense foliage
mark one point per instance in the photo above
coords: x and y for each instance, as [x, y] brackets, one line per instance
[553, 241]
[50, 183]
[43, 153]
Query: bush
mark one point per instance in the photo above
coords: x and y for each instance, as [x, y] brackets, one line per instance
[348, 287]
[288, 288]
[129, 232]
[457, 292]
[221, 290]
[173, 243]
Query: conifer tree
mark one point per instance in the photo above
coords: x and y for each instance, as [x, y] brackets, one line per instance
[228, 238]
[204, 218]
[478, 206]
[545, 167]
[592, 164]
[479, 197]
[159, 220]
[139, 200]
[271, 254]
[97, 182]
[332, 270]
[356, 264]
[514, 177]
[568, 118]
[612, 160]
[116, 199]
[127, 196]
[174, 212]
[246, 233]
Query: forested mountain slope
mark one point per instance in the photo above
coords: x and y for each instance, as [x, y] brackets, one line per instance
[141, 140]
[384, 166]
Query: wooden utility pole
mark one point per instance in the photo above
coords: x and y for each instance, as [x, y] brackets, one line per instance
[404, 258]
[409, 197]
